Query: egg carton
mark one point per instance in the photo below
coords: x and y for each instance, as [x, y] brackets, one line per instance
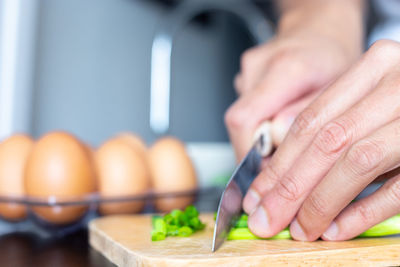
[205, 199]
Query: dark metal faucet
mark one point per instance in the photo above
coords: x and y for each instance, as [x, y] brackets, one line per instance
[259, 27]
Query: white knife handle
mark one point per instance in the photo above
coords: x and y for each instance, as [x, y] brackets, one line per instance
[264, 130]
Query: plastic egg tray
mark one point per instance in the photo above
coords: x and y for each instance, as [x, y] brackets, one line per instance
[205, 199]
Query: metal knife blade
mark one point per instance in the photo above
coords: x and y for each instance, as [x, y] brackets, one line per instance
[230, 204]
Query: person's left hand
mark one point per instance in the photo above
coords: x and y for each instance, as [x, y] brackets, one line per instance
[338, 145]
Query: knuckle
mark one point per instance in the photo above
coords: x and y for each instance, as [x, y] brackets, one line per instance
[384, 49]
[305, 124]
[332, 138]
[233, 118]
[289, 188]
[247, 59]
[273, 172]
[363, 157]
[315, 206]
[287, 60]
[365, 212]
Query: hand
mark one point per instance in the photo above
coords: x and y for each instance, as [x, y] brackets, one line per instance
[280, 78]
[337, 146]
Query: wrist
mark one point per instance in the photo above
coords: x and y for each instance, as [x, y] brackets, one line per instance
[340, 20]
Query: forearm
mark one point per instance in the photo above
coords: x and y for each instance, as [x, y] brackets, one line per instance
[341, 20]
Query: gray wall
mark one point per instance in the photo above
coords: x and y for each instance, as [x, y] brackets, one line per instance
[92, 71]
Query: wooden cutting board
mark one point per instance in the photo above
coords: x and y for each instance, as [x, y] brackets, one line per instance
[125, 240]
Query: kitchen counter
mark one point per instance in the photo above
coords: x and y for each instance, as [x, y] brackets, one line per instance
[26, 249]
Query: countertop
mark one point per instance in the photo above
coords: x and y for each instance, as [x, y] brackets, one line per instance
[27, 249]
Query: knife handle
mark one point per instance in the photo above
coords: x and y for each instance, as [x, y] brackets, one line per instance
[265, 146]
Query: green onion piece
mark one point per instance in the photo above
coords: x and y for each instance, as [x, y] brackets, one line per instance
[284, 234]
[191, 211]
[157, 236]
[183, 220]
[215, 216]
[172, 230]
[390, 226]
[176, 213]
[160, 226]
[241, 234]
[185, 231]
[168, 219]
[155, 217]
[244, 217]
[241, 224]
[195, 223]
[245, 234]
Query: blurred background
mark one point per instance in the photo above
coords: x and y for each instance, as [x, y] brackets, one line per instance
[85, 66]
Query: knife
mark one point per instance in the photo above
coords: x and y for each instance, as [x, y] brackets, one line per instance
[230, 204]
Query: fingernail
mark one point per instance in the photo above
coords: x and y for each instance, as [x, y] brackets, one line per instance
[251, 201]
[296, 231]
[332, 232]
[258, 221]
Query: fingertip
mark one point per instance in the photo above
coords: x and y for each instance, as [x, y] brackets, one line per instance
[297, 231]
[331, 233]
[259, 222]
[250, 201]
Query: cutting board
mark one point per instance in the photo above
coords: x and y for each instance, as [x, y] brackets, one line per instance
[125, 240]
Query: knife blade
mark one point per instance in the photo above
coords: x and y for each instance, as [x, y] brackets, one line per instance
[230, 205]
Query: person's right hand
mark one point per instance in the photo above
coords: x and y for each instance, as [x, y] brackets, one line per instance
[278, 79]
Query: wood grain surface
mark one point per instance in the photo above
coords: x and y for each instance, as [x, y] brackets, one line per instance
[125, 240]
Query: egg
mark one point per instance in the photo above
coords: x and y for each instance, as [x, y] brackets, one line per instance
[122, 171]
[59, 167]
[171, 171]
[14, 152]
[135, 141]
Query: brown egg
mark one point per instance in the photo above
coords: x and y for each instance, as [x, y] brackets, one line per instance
[14, 152]
[172, 171]
[122, 170]
[134, 141]
[60, 167]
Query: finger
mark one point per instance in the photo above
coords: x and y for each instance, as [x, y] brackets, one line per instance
[388, 175]
[358, 167]
[253, 66]
[238, 84]
[279, 128]
[284, 119]
[367, 212]
[332, 102]
[260, 104]
[324, 151]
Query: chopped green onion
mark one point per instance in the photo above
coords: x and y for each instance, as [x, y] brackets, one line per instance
[191, 212]
[160, 226]
[240, 231]
[241, 224]
[390, 226]
[284, 234]
[185, 231]
[157, 236]
[245, 234]
[241, 234]
[176, 223]
[172, 230]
